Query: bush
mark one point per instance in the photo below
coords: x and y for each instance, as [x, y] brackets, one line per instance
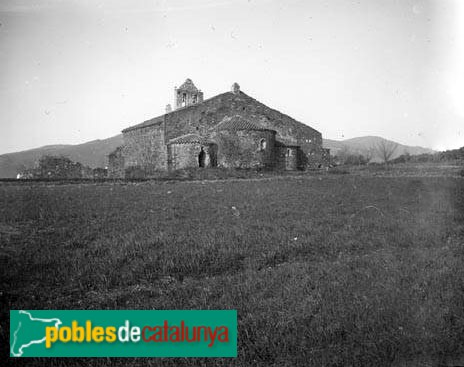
[135, 172]
[351, 160]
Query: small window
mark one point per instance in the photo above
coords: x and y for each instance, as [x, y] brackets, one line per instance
[184, 97]
[194, 98]
[289, 152]
[262, 144]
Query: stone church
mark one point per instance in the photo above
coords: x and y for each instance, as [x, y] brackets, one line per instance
[230, 130]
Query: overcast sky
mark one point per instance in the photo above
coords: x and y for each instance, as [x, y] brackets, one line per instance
[74, 71]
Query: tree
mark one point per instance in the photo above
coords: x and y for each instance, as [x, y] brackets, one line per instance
[58, 167]
[343, 154]
[347, 157]
[385, 150]
[369, 154]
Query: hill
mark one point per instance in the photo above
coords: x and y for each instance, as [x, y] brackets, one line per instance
[364, 145]
[93, 154]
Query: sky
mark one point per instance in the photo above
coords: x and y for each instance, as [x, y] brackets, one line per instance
[72, 71]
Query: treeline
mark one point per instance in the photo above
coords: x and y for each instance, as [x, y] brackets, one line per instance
[60, 167]
[344, 157]
[446, 156]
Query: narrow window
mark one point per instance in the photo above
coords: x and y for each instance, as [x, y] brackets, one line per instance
[201, 158]
[262, 144]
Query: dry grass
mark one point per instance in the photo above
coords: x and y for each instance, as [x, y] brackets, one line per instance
[324, 271]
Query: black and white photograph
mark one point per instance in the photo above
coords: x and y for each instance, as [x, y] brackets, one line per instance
[263, 183]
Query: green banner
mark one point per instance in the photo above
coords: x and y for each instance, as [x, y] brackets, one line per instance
[123, 333]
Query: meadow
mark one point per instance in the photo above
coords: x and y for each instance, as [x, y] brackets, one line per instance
[328, 270]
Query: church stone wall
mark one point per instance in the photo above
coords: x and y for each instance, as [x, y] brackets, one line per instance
[145, 149]
[287, 158]
[245, 148]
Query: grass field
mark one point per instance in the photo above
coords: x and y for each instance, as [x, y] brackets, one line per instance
[334, 270]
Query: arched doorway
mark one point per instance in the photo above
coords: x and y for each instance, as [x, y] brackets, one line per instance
[201, 158]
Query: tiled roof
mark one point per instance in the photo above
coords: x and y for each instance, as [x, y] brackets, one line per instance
[237, 123]
[160, 119]
[189, 139]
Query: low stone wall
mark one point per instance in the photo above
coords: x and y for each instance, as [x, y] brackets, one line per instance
[318, 158]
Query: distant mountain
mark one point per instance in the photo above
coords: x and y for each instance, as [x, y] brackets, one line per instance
[93, 154]
[366, 145]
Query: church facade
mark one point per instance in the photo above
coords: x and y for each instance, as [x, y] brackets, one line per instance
[230, 130]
